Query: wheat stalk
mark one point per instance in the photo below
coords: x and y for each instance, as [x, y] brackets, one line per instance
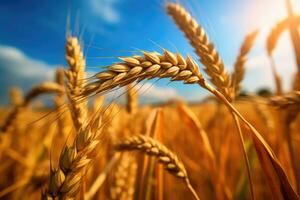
[75, 77]
[205, 49]
[59, 101]
[101, 177]
[239, 66]
[65, 181]
[132, 99]
[166, 157]
[236, 78]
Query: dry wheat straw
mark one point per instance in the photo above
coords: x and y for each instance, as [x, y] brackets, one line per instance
[65, 181]
[75, 77]
[206, 51]
[239, 65]
[166, 157]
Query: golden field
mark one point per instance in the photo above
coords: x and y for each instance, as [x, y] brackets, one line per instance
[228, 146]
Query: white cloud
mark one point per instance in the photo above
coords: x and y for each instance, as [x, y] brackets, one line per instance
[17, 69]
[147, 92]
[15, 61]
[105, 9]
[154, 91]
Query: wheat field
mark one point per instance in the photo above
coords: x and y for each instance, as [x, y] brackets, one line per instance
[230, 145]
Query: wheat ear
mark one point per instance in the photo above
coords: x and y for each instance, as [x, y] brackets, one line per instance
[205, 49]
[65, 181]
[166, 157]
[210, 58]
[46, 87]
[285, 101]
[276, 32]
[75, 76]
[150, 65]
[239, 66]
[124, 179]
[271, 43]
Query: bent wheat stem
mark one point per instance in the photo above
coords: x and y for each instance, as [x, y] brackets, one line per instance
[242, 142]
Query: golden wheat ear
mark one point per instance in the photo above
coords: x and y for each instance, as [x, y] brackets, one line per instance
[165, 156]
[124, 178]
[65, 180]
[75, 80]
[239, 66]
[285, 101]
[149, 65]
[276, 32]
[209, 56]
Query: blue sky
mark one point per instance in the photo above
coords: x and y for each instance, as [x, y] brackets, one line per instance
[32, 37]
